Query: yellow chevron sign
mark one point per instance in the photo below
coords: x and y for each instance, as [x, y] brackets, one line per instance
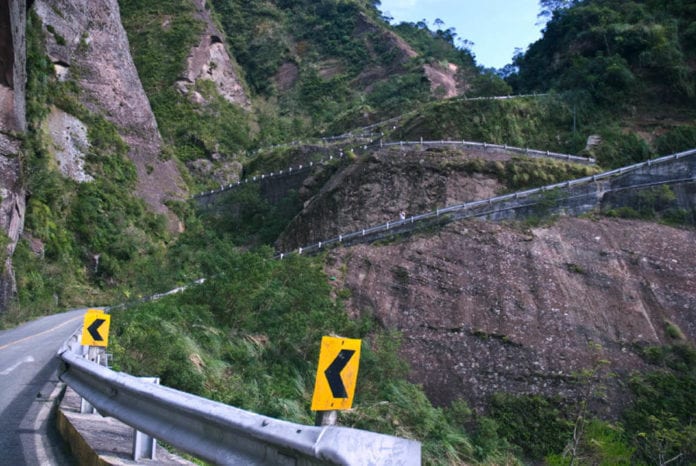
[95, 328]
[337, 374]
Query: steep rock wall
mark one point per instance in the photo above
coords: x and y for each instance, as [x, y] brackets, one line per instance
[12, 122]
[88, 43]
[488, 308]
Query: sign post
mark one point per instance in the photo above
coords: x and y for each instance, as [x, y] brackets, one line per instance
[337, 375]
[95, 335]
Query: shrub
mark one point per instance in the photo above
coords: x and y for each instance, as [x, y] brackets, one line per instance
[533, 423]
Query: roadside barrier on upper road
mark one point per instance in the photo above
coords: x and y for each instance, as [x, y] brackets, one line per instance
[468, 209]
[341, 155]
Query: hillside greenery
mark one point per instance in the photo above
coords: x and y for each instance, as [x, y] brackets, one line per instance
[161, 35]
[615, 51]
[343, 67]
[624, 70]
[249, 336]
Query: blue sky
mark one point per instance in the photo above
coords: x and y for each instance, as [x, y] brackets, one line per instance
[496, 27]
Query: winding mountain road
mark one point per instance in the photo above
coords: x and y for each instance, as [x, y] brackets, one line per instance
[28, 388]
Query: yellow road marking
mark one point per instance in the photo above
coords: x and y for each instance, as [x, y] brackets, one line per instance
[12, 343]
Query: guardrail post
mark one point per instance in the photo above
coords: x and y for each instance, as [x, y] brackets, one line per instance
[97, 355]
[145, 446]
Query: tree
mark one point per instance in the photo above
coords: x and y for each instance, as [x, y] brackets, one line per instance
[548, 7]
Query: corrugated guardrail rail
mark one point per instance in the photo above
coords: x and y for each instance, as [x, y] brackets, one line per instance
[223, 434]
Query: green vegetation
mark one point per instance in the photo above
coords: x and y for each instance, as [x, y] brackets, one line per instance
[612, 60]
[614, 50]
[520, 172]
[318, 66]
[676, 140]
[533, 423]
[248, 218]
[542, 122]
[81, 238]
[661, 422]
[161, 35]
[250, 337]
[654, 203]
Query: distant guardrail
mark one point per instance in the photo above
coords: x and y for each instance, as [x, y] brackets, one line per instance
[486, 146]
[462, 210]
[219, 433]
[470, 144]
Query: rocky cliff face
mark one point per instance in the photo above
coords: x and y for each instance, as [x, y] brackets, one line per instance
[485, 308]
[380, 185]
[12, 122]
[88, 44]
[210, 61]
[488, 307]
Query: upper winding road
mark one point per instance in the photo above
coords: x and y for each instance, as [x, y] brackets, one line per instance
[28, 388]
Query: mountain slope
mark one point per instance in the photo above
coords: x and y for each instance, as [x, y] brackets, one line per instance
[491, 308]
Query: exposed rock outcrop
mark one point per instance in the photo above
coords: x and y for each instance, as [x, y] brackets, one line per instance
[443, 80]
[486, 308]
[223, 173]
[375, 189]
[87, 35]
[402, 51]
[12, 65]
[210, 61]
[12, 122]
[69, 144]
[12, 213]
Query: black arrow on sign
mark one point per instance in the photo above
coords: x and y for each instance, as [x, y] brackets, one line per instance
[94, 329]
[333, 373]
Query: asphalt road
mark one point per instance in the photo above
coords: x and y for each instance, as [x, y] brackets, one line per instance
[28, 389]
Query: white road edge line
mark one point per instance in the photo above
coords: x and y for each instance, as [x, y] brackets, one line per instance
[16, 365]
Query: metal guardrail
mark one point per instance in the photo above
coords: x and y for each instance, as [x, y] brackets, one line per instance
[223, 434]
[485, 146]
[477, 145]
[459, 208]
